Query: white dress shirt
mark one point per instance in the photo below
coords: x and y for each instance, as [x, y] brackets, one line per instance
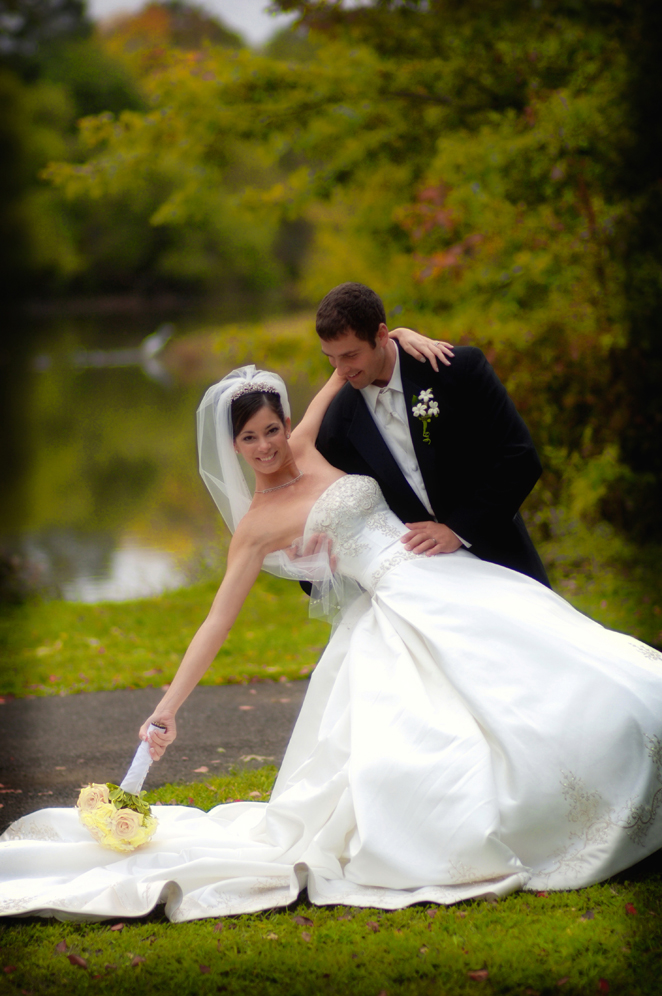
[388, 407]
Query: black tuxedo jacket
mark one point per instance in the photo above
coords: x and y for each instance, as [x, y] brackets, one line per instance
[478, 468]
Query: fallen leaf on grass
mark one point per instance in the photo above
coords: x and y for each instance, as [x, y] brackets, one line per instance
[371, 925]
[603, 985]
[109, 967]
[345, 917]
[423, 950]
[303, 921]
[589, 915]
[563, 981]
[541, 895]
[10, 968]
[117, 926]
[205, 969]
[629, 908]
[203, 770]
[305, 936]
[272, 937]
[480, 975]
[62, 947]
[137, 960]
[218, 927]
[77, 960]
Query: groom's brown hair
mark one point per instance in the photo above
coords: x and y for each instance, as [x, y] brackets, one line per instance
[350, 308]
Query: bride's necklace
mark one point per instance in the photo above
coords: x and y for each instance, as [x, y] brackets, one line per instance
[266, 491]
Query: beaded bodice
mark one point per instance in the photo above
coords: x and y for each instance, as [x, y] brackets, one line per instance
[365, 532]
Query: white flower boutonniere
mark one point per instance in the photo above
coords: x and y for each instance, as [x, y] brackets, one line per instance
[425, 408]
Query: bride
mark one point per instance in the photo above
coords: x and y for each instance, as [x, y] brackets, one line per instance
[465, 732]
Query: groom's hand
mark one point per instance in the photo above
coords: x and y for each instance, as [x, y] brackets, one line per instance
[430, 538]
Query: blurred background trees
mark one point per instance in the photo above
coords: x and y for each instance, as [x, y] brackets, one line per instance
[491, 167]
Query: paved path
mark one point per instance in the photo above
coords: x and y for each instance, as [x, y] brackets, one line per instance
[49, 747]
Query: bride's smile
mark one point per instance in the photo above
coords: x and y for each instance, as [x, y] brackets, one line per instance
[263, 443]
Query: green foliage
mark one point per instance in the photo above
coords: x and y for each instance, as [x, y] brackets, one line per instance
[470, 173]
[127, 800]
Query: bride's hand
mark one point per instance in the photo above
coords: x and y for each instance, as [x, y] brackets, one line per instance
[158, 741]
[318, 543]
[422, 348]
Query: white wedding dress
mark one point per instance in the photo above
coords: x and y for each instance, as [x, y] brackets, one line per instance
[466, 732]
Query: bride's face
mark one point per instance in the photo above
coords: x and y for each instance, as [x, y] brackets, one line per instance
[263, 441]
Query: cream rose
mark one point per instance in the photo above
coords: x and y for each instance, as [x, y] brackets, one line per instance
[126, 823]
[92, 796]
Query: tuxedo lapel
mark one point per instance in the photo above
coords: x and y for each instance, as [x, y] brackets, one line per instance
[369, 443]
[415, 378]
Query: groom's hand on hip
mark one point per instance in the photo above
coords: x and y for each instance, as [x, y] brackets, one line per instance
[430, 538]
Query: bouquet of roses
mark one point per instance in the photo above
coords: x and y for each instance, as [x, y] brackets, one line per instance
[117, 816]
[119, 820]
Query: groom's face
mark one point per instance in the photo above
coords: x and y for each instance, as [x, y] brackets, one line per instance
[358, 361]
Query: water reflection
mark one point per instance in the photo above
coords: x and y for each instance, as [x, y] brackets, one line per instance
[132, 572]
[106, 501]
[147, 356]
[107, 504]
[83, 567]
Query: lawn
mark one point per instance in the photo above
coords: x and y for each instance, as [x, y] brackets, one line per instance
[55, 648]
[606, 939]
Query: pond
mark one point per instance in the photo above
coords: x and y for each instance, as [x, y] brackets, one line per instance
[105, 501]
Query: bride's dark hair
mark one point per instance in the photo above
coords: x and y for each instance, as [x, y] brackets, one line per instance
[246, 405]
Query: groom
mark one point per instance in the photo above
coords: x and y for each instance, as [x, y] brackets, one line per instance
[451, 454]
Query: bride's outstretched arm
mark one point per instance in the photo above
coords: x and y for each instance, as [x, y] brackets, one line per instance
[244, 562]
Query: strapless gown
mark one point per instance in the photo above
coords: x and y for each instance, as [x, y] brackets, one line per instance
[465, 732]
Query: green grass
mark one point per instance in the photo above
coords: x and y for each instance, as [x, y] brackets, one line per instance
[50, 648]
[55, 648]
[603, 939]
[528, 944]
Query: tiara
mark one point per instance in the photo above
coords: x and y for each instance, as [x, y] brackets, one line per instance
[254, 387]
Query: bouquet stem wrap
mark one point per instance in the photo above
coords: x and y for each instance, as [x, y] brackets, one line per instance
[137, 773]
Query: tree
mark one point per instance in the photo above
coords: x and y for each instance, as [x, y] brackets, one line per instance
[489, 165]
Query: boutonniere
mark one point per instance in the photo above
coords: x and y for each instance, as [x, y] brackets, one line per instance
[424, 408]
